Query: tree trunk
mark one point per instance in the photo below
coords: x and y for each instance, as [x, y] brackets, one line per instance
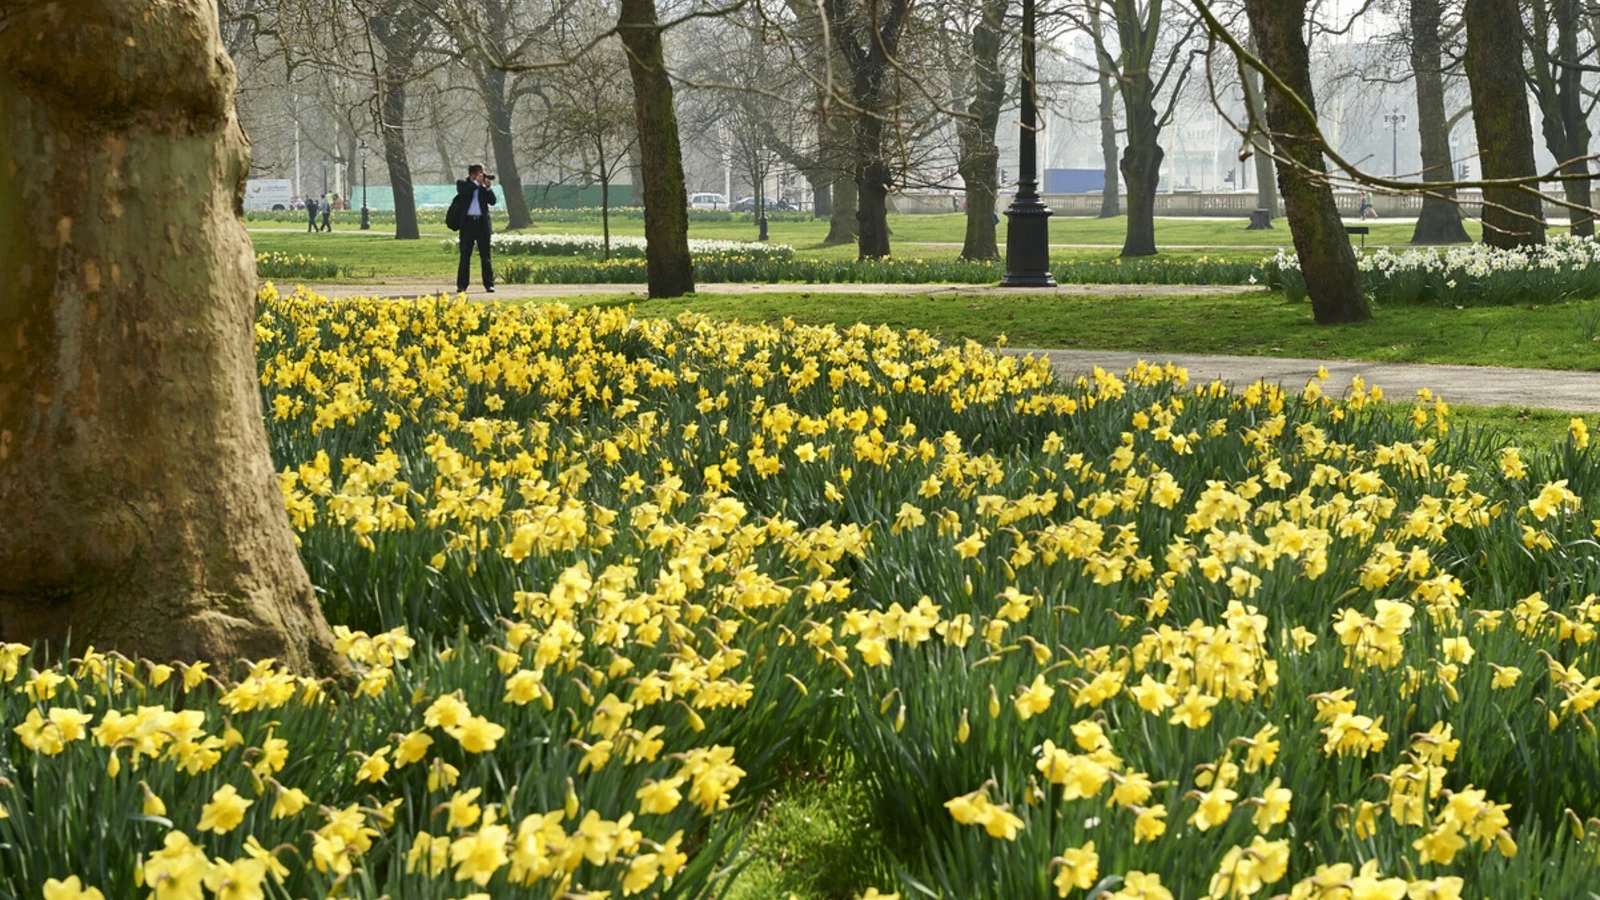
[505, 154]
[868, 41]
[1110, 202]
[394, 156]
[873, 181]
[635, 179]
[141, 511]
[1440, 220]
[980, 157]
[1141, 169]
[1558, 87]
[1326, 257]
[1266, 173]
[821, 194]
[842, 217]
[1512, 217]
[666, 210]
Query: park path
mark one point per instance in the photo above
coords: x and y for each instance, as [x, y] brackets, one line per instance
[1473, 385]
[408, 289]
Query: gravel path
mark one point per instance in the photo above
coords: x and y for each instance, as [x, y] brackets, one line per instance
[552, 291]
[1474, 385]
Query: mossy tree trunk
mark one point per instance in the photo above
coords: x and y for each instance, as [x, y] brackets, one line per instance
[141, 511]
[1326, 257]
[980, 157]
[666, 211]
[1512, 217]
[1440, 219]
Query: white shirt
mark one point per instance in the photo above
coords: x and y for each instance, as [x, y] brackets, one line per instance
[473, 209]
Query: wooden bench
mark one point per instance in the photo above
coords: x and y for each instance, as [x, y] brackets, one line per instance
[1361, 230]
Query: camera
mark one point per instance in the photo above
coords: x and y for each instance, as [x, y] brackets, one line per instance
[488, 177]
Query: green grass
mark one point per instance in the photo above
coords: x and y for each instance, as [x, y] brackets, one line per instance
[814, 840]
[1251, 324]
[918, 237]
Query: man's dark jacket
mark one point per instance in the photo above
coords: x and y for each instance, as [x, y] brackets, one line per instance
[486, 199]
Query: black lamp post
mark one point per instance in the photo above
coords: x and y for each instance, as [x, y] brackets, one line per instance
[761, 190]
[1028, 235]
[366, 221]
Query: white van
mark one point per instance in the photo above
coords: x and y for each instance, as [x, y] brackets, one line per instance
[708, 201]
[269, 193]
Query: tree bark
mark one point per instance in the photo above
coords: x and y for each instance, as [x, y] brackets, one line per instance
[1110, 201]
[394, 156]
[1326, 257]
[498, 107]
[842, 217]
[1512, 217]
[821, 194]
[1141, 169]
[1440, 219]
[1141, 158]
[980, 157]
[666, 211]
[1558, 86]
[400, 35]
[1266, 172]
[140, 507]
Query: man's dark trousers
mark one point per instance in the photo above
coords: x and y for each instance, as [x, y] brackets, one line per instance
[474, 230]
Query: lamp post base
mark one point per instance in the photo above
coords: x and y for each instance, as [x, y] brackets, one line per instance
[1028, 245]
[366, 221]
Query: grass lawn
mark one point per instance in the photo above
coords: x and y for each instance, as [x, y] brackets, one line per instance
[1253, 324]
[922, 237]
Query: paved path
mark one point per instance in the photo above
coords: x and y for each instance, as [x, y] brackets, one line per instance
[1474, 385]
[556, 291]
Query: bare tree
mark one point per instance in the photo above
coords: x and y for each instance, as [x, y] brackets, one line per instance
[1143, 73]
[589, 121]
[979, 161]
[401, 30]
[868, 34]
[1556, 79]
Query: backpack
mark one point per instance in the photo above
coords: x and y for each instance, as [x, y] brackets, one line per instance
[452, 216]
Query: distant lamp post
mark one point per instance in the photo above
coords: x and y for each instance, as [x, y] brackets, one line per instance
[1028, 235]
[1394, 120]
[366, 221]
[761, 190]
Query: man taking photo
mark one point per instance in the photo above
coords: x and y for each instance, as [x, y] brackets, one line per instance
[475, 193]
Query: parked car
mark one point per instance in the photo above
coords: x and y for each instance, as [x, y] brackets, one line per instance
[748, 204]
[708, 201]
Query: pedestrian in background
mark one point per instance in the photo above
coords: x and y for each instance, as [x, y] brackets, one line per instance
[311, 214]
[327, 206]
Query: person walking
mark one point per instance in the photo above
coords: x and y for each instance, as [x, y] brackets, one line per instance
[1367, 209]
[327, 207]
[311, 214]
[475, 194]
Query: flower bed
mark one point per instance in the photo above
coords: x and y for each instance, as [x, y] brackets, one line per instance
[1478, 275]
[606, 580]
[623, 247]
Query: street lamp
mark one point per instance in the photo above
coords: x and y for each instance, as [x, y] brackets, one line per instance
[1394, 120]
[366, 221]
[1028, 235]
[761, 190]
